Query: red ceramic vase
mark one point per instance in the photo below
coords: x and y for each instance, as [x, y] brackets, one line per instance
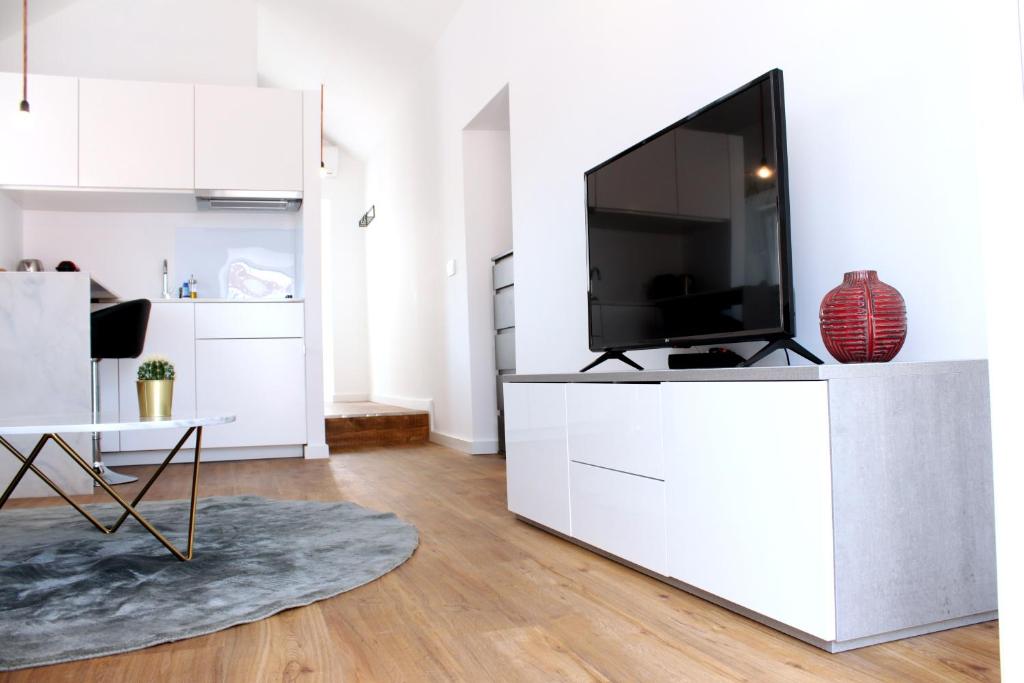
[863, 320]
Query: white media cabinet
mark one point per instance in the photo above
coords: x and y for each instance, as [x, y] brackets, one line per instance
[845, 505]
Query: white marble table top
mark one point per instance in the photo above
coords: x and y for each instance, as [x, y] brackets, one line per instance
[82, 422]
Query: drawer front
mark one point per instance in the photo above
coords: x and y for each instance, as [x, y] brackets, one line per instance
[619, 513]
[249, 320]
[505, 349]
[617, 426]
[503, 274]
[504, 309]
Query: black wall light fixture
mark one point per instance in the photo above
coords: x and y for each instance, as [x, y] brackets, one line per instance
[24, 57]
[368, 217]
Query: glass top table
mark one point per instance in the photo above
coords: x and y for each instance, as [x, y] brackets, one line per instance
[71, 423]
[50, 427]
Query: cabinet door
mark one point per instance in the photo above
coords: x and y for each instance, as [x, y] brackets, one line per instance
[171, 333]
[248, 138]
[617, 426]
[135, 135]
[39, 148]
[537, 461]
[749, 497]
[261, 381]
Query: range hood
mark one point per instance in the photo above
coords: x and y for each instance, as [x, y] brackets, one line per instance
[248, 200]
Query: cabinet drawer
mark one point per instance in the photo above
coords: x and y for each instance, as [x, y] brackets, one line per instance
[620, 513]
[617, 426]
[503, 273]
[504, 309]
[248, 320]
[505, 349]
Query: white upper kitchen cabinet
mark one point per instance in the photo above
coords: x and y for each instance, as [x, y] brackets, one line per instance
[136, 135]
[39, 148]
[248, 138]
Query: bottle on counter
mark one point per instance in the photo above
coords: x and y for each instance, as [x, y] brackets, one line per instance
[185, 293]
[192, 292]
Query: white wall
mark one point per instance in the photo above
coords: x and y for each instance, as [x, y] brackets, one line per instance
[996, 76]
[418, 356]
[345, 282]
[877, 180]
[488, 210]
[880, 176]
[125, 251]
[202, 41]
[10, 233]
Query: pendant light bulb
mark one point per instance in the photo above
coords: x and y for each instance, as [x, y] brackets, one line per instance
[764, 171]
[23, 107]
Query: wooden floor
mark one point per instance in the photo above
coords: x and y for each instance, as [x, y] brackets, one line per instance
[488, 598]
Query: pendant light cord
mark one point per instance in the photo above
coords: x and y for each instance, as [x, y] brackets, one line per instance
[321, 123]
[24, 51]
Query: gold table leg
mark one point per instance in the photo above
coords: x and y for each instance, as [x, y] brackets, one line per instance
[28, 464]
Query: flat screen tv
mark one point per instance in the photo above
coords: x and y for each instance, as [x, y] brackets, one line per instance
[688, 230]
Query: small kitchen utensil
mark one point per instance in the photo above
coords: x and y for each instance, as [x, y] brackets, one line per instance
[30, 265]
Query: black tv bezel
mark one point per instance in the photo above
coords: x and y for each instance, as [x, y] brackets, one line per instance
[786, 310]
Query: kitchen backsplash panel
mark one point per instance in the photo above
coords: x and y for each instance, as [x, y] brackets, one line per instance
[236, 263]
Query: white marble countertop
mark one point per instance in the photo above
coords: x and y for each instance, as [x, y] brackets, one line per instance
[82, 422]
[211, 300]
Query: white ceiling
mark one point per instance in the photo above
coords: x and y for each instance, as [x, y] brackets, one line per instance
[365, 51]
[10, 13]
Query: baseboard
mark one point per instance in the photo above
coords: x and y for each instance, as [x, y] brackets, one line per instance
[350, 398]
[482, 447]
[317, 451]
[209, 455]
[425, 404]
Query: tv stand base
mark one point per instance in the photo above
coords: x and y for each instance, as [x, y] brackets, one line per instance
[613, 355]
[779, 344]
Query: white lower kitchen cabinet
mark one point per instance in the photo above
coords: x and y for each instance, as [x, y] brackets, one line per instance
[171, 333]
[749, 486]
[538, 458]
[262, 381]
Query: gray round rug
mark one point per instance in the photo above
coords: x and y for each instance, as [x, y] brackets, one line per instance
[68, 592]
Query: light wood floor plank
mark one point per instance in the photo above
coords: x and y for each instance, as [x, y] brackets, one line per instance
[489, 598]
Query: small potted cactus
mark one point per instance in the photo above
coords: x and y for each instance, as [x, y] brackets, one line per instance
[156, 387]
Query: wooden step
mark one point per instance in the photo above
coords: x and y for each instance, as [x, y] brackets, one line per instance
[377, 430]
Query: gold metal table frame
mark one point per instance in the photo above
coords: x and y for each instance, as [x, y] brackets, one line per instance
[28, 464]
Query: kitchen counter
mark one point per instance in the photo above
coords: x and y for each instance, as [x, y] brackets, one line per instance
[208, 300]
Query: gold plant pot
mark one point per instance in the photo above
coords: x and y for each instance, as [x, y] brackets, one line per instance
[155, 397]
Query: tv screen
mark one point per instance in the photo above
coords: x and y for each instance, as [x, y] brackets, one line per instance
[688, 231]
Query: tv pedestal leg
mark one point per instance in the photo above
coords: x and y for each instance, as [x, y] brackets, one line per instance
[778, 344]
[613, 355]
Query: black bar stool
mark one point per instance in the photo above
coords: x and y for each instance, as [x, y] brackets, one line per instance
[118, 331]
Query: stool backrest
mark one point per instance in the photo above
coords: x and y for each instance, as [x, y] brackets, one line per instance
[119, 331]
